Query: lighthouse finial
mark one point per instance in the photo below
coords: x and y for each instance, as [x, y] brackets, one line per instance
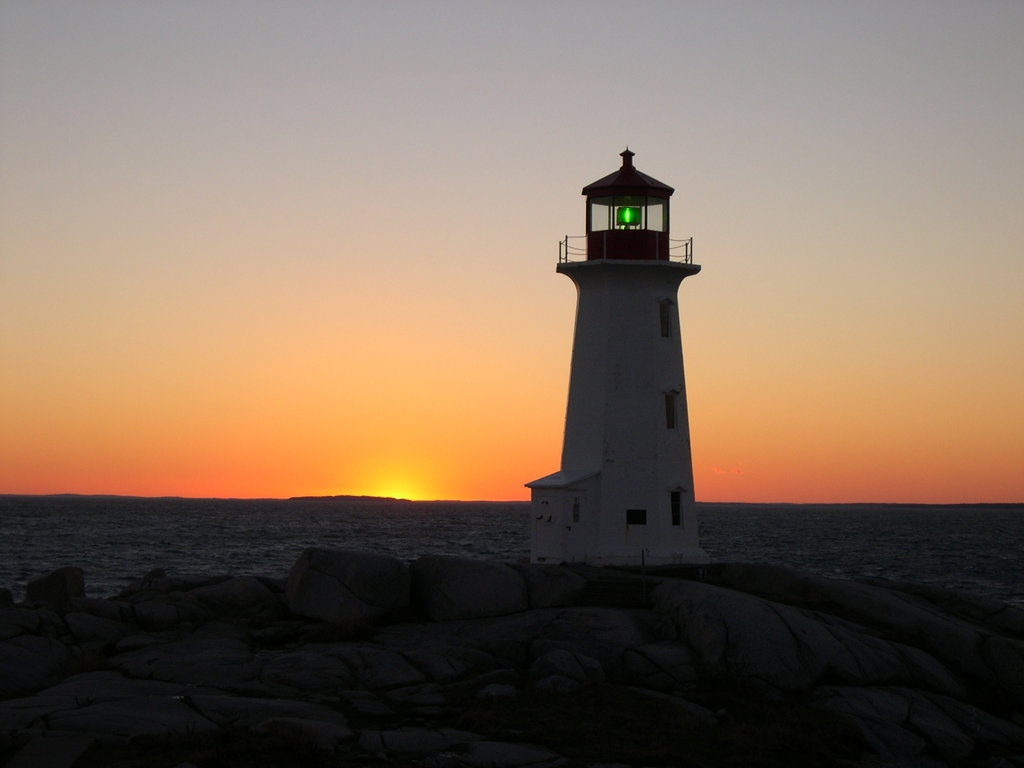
[627, 158]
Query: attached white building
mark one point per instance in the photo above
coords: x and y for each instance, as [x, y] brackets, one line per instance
[625, 489]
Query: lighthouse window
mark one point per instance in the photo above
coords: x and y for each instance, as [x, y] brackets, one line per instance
[600, 214]
[676, 498]
[665, 309]
[575, 509]
[627, 217]
[636, 517]
[628, 211]
[670, 410]
[657, 214]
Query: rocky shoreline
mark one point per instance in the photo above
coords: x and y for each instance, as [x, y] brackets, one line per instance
[358, 658]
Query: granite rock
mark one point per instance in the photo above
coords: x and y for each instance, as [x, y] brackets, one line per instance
[413, 740]
[28, 663]
[307, 670]
[245, 594]
[574, 666]
[497, 691]
[1005, 657]
[789, 648]
[345, 586]
[116, 721]
[496, 754]
[447, 663]
[227, 710]
[108, 685]
[905, 617]
[325, 736]
[6, 598]
[112, 610]
[617, 627]
[85, 627]
[56, 587]
[557, 684]
[986, 612]
[376, 668]
[18, 621]
[662, 666]
[211, 661]
[448, 588]
[551, 586]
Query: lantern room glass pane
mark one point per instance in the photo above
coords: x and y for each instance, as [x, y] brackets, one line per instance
[657, 214]
[600, 214]
[628, 212]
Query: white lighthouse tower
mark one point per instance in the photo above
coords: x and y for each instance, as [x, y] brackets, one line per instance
[624, 494]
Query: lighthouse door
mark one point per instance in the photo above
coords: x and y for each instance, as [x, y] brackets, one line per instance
[549, 527]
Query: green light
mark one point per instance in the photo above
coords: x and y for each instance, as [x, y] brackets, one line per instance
[627, 216]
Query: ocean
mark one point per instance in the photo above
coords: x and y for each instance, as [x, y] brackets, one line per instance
[973, 549]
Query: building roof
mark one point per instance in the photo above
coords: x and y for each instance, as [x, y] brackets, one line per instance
[627, 181]
[562, 479]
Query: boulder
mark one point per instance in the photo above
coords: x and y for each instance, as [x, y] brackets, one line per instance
[249, 712]
[880, 714]
[345, 586]
[239, 595]
[617, 627]
[6, 598]
[900, 722]
[497, 691]
[412, 740]
[86, 627]
[1006, 657]
[156, 582]
[108, 685]
[155, 616]
[56, 587]
[450, 588]
[377, 668]
[497, 754]
[115, 721]
[907, 618]
[447, 663]
[557, 684]
[214, 661]
[327, 737]
[662, 666]
[105, 609]
[18, 621]
[789, 648]
[551, 586]
[574, 666]
[28, 662]
[51, 624]
[983, 611]
[307, 671]
[52, 752]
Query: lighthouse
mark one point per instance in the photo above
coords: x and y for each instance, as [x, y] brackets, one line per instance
[624, 493]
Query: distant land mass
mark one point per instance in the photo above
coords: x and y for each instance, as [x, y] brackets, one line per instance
[391, 500]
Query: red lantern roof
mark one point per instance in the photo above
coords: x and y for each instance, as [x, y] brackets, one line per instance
[627, 181]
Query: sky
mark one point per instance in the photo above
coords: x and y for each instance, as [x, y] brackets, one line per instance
[266, 249]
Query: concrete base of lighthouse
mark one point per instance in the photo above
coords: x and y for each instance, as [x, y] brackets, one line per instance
[569, 526]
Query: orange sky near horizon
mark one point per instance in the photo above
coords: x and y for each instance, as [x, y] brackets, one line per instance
[269, 251]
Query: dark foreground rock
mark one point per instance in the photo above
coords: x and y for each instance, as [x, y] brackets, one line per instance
[508, 669]
[449, 588]
[56, 587]
[343, 586]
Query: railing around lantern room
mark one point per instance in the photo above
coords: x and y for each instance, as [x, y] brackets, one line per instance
[574, 248]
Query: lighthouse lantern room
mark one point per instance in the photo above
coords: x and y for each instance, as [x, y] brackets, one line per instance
[624, 493]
